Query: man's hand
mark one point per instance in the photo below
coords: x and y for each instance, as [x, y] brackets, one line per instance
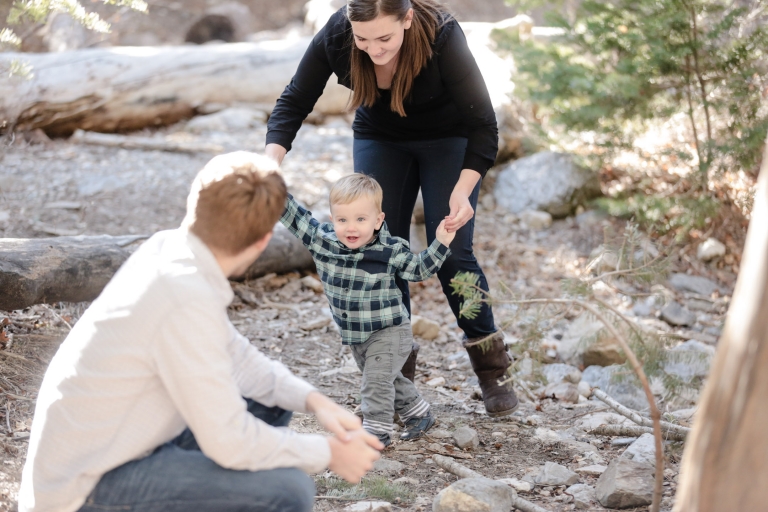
[276, 152]
[442, 234]
[353, 459]
[334, 418]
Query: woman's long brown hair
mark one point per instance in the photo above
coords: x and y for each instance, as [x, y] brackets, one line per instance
[428, 17]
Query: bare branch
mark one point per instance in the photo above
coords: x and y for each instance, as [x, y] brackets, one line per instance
[634, 416]
[633, 431]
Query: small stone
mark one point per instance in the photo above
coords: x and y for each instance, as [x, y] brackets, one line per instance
[388, 466]
[689, 360]
[369, 506]
[555, 474]
[642, 450]
[466, 437]
[585, 389]
[675, 314]
[583, 496]
[406, 481]
[437, 381]
[424, 327]
[592, 470]
[684, 415]
[562, 391]
[547, 436]
[498, 435]
[711, 248]
[695, 284]
[536, 220]
[518, 485]
[312, 283]
[476, 495]
[625, 484]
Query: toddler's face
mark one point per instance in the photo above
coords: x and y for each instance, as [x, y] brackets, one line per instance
[356, 222]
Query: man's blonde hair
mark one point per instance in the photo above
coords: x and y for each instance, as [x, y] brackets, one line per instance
[349, 188]
[235, 201]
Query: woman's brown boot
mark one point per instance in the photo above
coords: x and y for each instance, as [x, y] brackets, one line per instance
[490, 362]
[409, 368]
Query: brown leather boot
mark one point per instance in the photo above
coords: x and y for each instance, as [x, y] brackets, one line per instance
[409, 368]
[490, 366]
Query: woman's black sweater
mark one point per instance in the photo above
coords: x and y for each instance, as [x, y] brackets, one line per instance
[448, 97]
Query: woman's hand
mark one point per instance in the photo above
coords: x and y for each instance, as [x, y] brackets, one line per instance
[461, 209]
[276, 152]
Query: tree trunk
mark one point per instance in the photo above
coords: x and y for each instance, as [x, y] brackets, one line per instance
[724, 465]
[130, 88]
[74, 269]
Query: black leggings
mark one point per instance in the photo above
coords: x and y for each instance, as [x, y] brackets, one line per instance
[435, 166]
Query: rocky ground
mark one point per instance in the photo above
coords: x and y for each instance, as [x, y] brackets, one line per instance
[545, 450]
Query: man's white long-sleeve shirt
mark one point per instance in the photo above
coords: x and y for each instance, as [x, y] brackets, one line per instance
[156, 353]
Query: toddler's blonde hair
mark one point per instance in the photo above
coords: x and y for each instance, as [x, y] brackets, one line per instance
[349, 188]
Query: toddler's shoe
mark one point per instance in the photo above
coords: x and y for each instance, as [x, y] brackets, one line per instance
[416, 427]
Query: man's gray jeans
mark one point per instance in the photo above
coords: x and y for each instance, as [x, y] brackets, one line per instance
[384, 390]
[178, 477]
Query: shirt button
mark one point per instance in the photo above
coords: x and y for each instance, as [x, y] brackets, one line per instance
[343, 315]
[346, 289]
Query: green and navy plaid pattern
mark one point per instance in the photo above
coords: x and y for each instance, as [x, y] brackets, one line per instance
[360, 283]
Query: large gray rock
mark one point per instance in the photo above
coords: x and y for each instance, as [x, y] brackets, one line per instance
[689, 360]
[555, 474]
[642, 450]
[547, 181]
[614, 381]
[474, 495]
[625, 484]
[695, 284]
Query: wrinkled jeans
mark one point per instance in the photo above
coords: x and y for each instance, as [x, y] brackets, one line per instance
[178, 477]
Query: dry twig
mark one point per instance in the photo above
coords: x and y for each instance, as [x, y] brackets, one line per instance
[634, 416]
[633, 431]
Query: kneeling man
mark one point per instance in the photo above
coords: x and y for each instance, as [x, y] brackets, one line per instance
[154, 402]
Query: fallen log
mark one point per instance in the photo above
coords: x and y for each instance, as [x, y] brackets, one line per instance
[76, 268]
[129, 88]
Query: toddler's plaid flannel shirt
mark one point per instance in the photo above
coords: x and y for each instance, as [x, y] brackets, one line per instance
[360, 283]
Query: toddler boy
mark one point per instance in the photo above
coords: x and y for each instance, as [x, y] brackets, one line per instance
[357, 260]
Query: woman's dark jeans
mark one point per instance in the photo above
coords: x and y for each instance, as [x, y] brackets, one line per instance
[178, 477]
[434, 166]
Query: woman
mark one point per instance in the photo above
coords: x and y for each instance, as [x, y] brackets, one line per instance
[423, 120]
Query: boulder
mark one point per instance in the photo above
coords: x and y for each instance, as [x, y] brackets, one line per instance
[689, 360]
[474, 495]
[547, 181]
[625, 484]
[642, 450]
[616, 381]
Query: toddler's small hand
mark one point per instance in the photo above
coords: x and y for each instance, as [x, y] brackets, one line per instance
[443, 235]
